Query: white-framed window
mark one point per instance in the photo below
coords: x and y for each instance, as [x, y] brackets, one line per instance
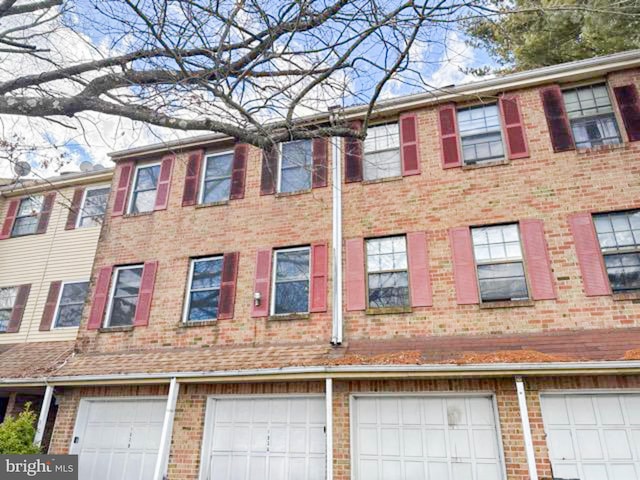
[70, 304]
[290, 292]
[590, 113]
[295, 165]
[387, 272]
[94, 205]
[480, 133]
[216, 177]
[382, 152]
[7, 302]
[123, 296]
[145, 188]
[499, 263]
[203, 293]
[27, 216]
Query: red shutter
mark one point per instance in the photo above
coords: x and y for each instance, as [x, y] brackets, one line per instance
[517, 146]
[319, 274]
[45, 212]
[449, 137]
[629, 105]
[353, 156]
[261, 283]
[355, 281]
[559, 128]
[320, 162]
[409, 148]
[18, 308]
[7, 226]
[100, 297]
[192, 178]
[147, 282]
[122, 190]
[594, 273]
[239, 171]
[50, 307]
[228, 285]
[464, 266]
[74, 209]
[164, 182]
[536, 254]
[269, 170]
[419, 278]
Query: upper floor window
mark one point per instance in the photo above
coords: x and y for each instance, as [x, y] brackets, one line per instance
[296, 165]
[123, 299]
[94, 205]
[290, 281]
[499, 263]
[619, 237]
[7, 302]
[480, 134]
[71, 303]
[216, 179]
[145, 187]
[382, 152]
[203, 293]
[27, 217]
[387, 272]
[591, 116]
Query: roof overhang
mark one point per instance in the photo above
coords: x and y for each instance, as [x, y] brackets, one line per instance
[68, 180]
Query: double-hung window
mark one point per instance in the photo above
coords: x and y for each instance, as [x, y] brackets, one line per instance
[591, 115]
[382, 152]
[296, 165]
[499, 263]
[204, 289]
[290, 281]
[26, 222]
[480, 134]
[123, 299]
[216, 179]
[70, 304]
[145, 187]
[7, 302]
[619, 237]
[94, 205]
[387, 273]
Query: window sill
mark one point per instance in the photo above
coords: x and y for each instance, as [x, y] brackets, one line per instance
[202, 323]
[387, 310]
[128, 328]
[213, 204]
[382, 180]
[289, 316]
[586, 151]
[139, 214]
[492, 163]
[507, 304]
[622, 296]
[292, 194]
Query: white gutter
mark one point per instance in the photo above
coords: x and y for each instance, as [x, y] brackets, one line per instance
[44, 414]
[336, 332]
[526, 429]
[162, 461]
[329, 426]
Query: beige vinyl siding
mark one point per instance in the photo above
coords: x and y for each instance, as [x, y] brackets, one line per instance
[59, 254]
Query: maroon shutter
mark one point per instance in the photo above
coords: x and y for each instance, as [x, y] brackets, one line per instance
[74, 209]
[319, 274]
[18, 308]
[261, 283]
[594, 273]
[517, 146]
[320, 162]
[7, 226]
[629, 105]
[353, 155]
[269, 170]
[409, 149]
[164, 182]
[100, 298]
[557, 120]
[419, 278]
[239, 171]
[45, 212]
[464, 266]
[192, 178]
[50, 307]
[355, 281]
[122, 189]
[228, 285]
[449, 137]
[147, 282]
[536, 255]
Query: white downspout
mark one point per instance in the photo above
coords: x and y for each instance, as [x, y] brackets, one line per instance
[329, 423]
[44, 414]
[336, 336]
[162, 462]
[526, 429]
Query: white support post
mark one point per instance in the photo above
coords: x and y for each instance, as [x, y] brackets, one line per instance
[526, 429]
[44, 414]
[329, 428]
[162, 462]
[336, 337]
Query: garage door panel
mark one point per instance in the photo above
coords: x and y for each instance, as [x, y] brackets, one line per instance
[298, 440]
[589, 444]
[582, 410]
[390, 438]
[317, 440]
[411, 412]
[459, 440]
[279, 411]
[485, 442]
[595, 471]
[368, 468]
[610, 410]
[434, 411]
[618, 446]
[561, 444]
[436, 443]
[623, 472]
[462, 471]
[389, 412]
[412, 441]
[488, 471]
[635, 441]
[632, 404]
[481, 412]
[368, 441]
[391, 470]
[437, 471]
[456, 412]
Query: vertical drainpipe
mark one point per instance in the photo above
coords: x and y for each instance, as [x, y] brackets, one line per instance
[336, 332]
[526, 429]
[44, 414]
[329, 423]
[162, 461]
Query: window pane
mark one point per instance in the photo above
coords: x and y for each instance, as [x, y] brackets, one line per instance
[292, 297]
[388, 289]
[480, 133]
[145, 189]
[74, 293]
[217, 178]
[128, 282]
[292, 282]
[382, 152]
[502, 282]
[122, 311]
[292, 265]
[30, 206]
[206, 274]
[95, 204]
[147, 178]
[617, 230]
[69, 315]
[25, 225]
[7, 297]
[587, 101]
[296, 166]
[496, 243]
[385, 254]
[219, 166]
[623, 271]
[5, 317]
[216, 190]
[144, 201]
[203, 305]
[595, 131]
[125, 297]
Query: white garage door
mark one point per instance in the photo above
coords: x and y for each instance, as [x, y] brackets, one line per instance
[118, 439]
[425, 438]
[261, 438]
[593, 437]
